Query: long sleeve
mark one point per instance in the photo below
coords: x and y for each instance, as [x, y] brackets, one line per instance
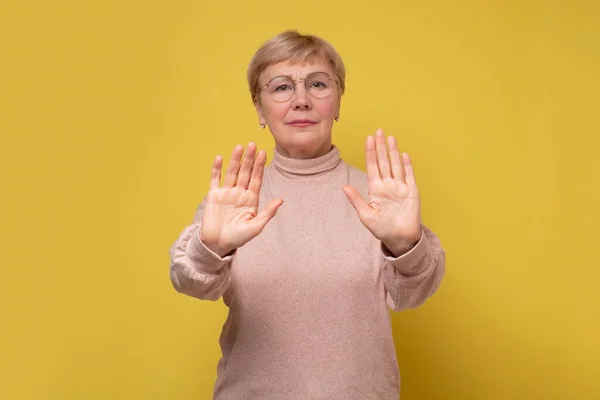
[196, 270]
[416, 275]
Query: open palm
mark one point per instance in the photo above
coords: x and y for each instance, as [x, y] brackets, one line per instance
[392, 211]
[231, 217]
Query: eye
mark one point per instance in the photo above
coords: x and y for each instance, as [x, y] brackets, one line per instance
[318, 85]
[283, 87]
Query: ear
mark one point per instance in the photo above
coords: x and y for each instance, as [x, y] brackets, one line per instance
[258, 107]
[261, 119]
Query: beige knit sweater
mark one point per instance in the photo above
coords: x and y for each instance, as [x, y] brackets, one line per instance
[309, 298]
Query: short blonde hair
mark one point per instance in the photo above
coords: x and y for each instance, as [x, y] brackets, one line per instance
[291, 46]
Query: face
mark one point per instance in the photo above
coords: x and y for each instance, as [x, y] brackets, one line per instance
[301, 126]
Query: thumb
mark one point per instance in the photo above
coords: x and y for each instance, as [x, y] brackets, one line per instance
[356, 200]
[263, 217]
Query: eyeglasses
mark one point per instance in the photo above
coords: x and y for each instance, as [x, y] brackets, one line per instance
[318, 84]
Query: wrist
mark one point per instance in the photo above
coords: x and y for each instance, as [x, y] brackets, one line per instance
[216, 248]
[401, 247]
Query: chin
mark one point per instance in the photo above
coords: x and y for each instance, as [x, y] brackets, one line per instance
[302, 137]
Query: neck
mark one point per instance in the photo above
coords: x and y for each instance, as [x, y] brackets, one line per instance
[304, 153]
[294, 168]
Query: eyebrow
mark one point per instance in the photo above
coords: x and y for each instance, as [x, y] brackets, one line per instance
[290, 76]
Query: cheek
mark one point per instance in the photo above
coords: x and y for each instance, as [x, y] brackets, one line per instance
[326, 108]
[275, 112]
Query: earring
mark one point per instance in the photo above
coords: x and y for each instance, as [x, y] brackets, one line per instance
[262, 122]
[337, 118]
[263, 126]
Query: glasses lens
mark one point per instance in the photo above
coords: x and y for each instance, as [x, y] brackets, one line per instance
[281, 89]
[319, 85]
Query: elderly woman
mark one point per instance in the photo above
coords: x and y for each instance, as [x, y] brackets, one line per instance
[308, 253]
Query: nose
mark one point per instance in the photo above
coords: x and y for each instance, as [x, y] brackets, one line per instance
[301, 101]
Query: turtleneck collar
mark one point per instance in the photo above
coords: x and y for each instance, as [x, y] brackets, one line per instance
[310, 166]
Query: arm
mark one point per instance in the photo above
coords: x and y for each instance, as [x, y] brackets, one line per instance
[414, 260]
[226, 220]
[413, 277]
[195, 269]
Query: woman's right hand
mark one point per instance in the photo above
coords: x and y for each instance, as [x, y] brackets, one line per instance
[231, 218]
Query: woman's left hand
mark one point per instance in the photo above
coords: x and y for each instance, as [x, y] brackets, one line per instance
[393, 211]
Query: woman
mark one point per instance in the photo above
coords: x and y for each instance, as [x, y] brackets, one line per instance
[308, 268]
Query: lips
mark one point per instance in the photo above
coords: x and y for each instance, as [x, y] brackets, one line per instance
[301, 122]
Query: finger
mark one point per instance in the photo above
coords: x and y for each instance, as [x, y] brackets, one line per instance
[382, 156]
[263, 217]
[357, 201]
[397, 169]
[246, 168]
[408, 167]
[215, 177]
[257, 172]
[371, 158]
[234, 166]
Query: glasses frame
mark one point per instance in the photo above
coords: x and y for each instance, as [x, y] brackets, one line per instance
[294, 81]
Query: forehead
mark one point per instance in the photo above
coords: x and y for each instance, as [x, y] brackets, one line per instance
[295, 70]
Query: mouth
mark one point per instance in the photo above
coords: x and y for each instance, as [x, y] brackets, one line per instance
[300, 123]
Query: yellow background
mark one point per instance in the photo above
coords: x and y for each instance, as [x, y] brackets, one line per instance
[111, 112]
